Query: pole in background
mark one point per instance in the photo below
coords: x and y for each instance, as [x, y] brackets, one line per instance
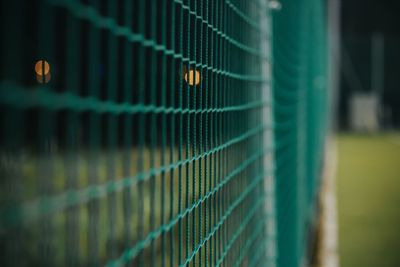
[377, 54]
[377, 76]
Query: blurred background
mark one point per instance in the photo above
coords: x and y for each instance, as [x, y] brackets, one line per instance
[368, 174]
[370, 60]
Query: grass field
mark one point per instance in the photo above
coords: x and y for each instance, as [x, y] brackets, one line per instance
[368, 188]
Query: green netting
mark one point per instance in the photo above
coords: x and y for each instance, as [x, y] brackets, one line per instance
[300, 108]
[118, 158]
[160, 133]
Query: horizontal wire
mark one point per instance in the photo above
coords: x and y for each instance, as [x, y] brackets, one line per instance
[246, 18]
[19, 97]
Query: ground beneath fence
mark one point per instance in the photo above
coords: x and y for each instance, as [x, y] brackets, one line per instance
[368, 193]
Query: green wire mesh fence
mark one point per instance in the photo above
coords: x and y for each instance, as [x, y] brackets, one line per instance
[154, 133]
[301, 107]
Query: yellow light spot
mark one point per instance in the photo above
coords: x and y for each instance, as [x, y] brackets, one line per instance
[192, 77]
[39, 67]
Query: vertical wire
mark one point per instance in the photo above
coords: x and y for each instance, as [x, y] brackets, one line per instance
[207, 147]
[180, 145]
[227, 128]
[248, 174]
[214, 131]
[127, 132]
[201, 149]
[153, 129]
[218, 127]
[163, 130]
[194, 89]
[187, 145]
[172, 148]
[112, 128]
[249, 67]
[232, 124]
[94, 46]
[219, 104]
[220, 117]
[141, 131]
[46, 141]
[73, 74]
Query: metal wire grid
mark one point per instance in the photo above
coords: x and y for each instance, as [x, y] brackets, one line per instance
[118, 160]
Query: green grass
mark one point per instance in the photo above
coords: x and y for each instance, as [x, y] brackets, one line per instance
[369, 200]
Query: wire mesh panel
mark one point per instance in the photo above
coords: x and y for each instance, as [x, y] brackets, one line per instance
[300, 109]
[135, 133]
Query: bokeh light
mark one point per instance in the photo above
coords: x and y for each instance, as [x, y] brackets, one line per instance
[192, 77]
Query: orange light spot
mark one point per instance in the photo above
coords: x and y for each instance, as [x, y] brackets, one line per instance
[192, 77]
[39, 67]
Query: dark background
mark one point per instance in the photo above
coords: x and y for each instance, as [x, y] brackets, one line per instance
[359, 21]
